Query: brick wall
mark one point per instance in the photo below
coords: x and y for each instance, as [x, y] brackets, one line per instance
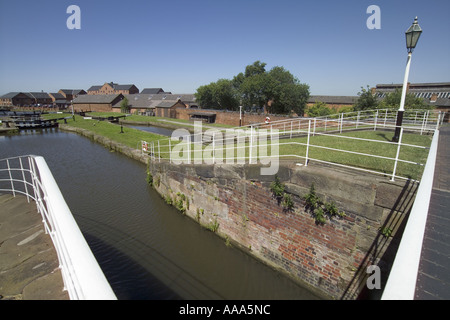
[228, 118]
[330, 259]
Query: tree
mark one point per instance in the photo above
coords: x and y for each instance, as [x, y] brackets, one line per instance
[277, 91]
[392, 100]
[319, 109]
[124, 106]
[366, 101]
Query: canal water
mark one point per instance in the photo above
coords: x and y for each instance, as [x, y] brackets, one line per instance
[147, 249]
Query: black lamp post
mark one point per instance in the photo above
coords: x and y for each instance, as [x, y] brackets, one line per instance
[412, 37]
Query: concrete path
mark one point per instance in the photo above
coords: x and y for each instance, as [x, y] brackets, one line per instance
[29, 267]
[433, 280]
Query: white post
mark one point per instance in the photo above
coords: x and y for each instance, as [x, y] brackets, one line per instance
[159, 153]
[357, 119]
[189, 148]
[214, 147]
[314, 132]
[398, 153]
[170, 152]
[307, 143]
[423, 123]
[376, 119]
[10, 178]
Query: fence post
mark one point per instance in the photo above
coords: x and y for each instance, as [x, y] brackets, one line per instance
[357, 119]
[170, 152]
[423, 123]
[10, 178]
[376, 119]
[398, 153]
[307, 143]
[159, 153]
[438, 120]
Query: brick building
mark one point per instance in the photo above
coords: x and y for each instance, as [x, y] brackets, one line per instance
[15, 99]
[334, 102]
[69, 94]
[113, 88]
[97, 103]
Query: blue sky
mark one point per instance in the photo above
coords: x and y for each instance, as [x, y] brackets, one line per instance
[181, 45]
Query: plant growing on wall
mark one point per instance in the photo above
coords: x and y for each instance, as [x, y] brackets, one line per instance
[319, 209]
[287, 202]
[277, 188]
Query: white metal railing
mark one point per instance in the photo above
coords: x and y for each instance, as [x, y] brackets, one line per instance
[401, 283]
[82, 276]
[308, 127]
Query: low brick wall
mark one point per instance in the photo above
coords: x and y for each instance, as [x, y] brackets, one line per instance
[331, 259]
[229, 117]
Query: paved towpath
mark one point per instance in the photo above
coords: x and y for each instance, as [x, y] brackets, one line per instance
[433, 279]
[29, 267]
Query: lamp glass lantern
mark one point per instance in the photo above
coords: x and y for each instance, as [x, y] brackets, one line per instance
[412, 35]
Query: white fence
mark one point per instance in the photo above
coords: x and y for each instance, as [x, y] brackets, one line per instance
[82, 276]
[418, 122]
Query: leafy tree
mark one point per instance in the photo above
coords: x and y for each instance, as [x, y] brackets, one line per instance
[392, 100]
[124, 106]
[366, 101]
[277, 90]
[219, 95]
[319, 109]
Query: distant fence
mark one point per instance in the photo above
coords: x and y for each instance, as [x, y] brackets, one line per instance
[246, 138]
[82, 276]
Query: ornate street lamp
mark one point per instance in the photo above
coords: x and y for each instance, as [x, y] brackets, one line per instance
[412, 37]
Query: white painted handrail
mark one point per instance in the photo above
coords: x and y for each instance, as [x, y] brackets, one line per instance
[82, 276]
[402, 279]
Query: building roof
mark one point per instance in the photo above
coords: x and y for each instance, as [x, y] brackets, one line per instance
[101, 98]
[123, 86]
[72, 91]
[113, 85]
[94, 88]
[152, 91]
[431, 85]
[142, 100]
[10, 95]
[38, 95]
[57, 96]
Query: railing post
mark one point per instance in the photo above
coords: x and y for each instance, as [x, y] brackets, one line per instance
[307, 143]
[24, 180]
[376, 119]
[159, 153]
[10, 178]
[398, 153]
[438, 120]
[170, 152]
[357, 119]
